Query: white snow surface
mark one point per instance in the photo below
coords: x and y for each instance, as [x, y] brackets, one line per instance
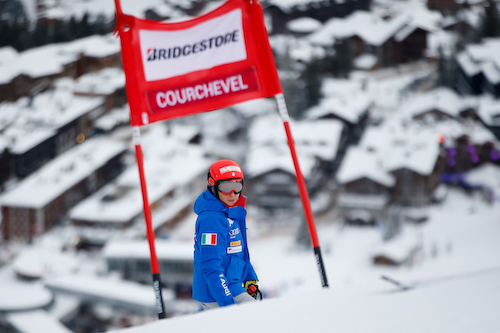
[19, 296]
[304, 25]
[37, 321]
[456, 279]
[41, 262]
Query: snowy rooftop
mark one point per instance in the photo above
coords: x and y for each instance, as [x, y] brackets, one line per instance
[348, 109]
[169, 164]
[38, 321]
[299, 49]
[27, 125]
[107, 289]
[18, 296]
[139, 249]
[477, 58]
[441, 99]
[41, 262]
[261, 159]
[59, 175]
[286, 5]
[488, 176]
[365, 61]
[97, 7]
[103, 82]
[360, 163]
[304, 25]
[269, 149]
[55, 56]
[489, 110]
[256, 107]
[368, 26]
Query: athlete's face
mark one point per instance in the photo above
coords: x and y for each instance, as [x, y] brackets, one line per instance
[229, 199]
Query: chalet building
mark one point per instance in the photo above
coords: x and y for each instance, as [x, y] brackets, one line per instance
[33, 143]
[478, 71]
[412, 43]
[280, 13]
[176, 178]
[393, 41]
[353, 113]
[25, 77]
[364, 187]
[41, 200]
[413, 189]
[108, 83]
[274, 190]
[269, 168]
[29, 156]
[131, 259]
[439, 105]
[405, 44]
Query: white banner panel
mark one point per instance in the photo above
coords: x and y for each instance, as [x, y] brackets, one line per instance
[215, 42]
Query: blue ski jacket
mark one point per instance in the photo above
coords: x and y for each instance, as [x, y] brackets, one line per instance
[221, 258]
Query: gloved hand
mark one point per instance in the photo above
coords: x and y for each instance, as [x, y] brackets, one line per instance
[253, 289]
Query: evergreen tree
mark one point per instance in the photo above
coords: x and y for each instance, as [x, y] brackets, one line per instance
[4, 33]
[72, 28]
[61, 32]
[343, 59]
[41, 33]
[442, 72]
[99, 25]
[20, 37]
[84, 28]
[490, 26]
[312, 76]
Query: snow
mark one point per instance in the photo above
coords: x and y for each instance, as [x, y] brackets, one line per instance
[60, 174]
[456, 276]
[139, 249]
[18, 296]
[489, 110]
[304, 25]
[488, 176]
[469, 67]
[286, 5]
[348, 109]
[36, 263]
[56, 56]
[368, 26]
[365, 61]
[103, 82]
[451, 258]
[360, 163]
[106, 288]
[96, 7]
[269, 148]
[36, 322]
[441, 99]
[169, 164]
[256, 107]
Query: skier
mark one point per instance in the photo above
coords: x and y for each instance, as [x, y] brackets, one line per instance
[223, 274]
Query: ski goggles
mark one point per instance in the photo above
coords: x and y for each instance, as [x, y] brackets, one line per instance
[228, 186]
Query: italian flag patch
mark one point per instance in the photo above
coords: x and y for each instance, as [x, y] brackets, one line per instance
[209, 239]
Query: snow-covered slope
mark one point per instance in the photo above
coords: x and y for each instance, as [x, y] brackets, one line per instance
[464, 304]
[456, 274]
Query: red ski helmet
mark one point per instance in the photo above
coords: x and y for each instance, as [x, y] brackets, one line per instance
[223, 170]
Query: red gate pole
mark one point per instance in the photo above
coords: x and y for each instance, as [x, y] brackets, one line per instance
[304, 196]
[155, 268]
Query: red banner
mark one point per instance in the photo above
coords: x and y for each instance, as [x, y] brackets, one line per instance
[207, 63]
